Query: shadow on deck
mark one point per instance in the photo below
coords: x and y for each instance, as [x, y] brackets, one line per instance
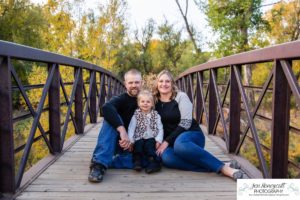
[66, 178]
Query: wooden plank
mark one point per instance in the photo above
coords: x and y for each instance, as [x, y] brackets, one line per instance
[127, 195]
[67, 179]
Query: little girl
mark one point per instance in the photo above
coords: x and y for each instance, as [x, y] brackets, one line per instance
[145, 132]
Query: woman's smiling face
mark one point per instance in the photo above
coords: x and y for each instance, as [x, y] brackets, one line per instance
[164, 84]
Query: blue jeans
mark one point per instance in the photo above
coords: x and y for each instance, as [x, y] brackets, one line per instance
[188, 154]
[108, 152]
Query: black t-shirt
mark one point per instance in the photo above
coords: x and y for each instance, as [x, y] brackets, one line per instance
[122, 105]
[171, 118]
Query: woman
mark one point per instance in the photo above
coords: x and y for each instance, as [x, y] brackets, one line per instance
[183, 145]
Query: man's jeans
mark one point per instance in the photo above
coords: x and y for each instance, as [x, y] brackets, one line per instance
[108, 152]
[188, 154]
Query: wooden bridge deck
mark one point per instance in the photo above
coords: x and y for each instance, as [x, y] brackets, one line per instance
[67, 179]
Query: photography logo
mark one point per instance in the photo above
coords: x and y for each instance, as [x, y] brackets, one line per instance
[268, 189]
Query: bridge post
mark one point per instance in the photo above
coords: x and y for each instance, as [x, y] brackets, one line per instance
[181, 84]
[185, 82]
[54, 111]
[212, 106]
[7, 155]
[109, 92]
[93, 100]
[190, 88]
[79, 103]
[234, 112]
[102, 92]
[200, 104]
[115, 87]
[280, 123]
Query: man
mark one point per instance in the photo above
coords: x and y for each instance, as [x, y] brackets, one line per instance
[117, 114]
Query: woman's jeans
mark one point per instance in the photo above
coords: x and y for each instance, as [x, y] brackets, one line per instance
[188, 154]
[108, 152]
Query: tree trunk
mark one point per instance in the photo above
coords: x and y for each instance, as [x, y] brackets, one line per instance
[188, 26]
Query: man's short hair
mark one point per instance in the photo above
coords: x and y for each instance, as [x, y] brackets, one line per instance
[132, 72]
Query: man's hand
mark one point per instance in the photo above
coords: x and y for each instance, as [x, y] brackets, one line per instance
[124, 141]
[157, 145]
[162, 148]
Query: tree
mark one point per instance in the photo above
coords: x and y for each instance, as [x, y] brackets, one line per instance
[105, 34]
[189, 27]
[235, 22]
[127, 58]
[59, 36]
[284, 20]
[21, 22]
[143, 46]
[172, 46]
[114, 28]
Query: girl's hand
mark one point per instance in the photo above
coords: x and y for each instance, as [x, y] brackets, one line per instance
[130, 147]
[157, 145]
[162, 148]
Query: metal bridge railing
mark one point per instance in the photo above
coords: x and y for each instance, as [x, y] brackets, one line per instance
[80, 103]
[210, 107]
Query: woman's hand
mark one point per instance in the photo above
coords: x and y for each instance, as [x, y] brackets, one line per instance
[162, 148]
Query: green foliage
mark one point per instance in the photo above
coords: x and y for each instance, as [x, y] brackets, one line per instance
[172, 46]
[235, 22]
[60, 27]
[284, 19]
[21, 22]
[260, 73]
[191, 58]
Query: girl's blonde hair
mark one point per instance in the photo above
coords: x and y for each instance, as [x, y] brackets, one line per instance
[145, 93]
[173, 84]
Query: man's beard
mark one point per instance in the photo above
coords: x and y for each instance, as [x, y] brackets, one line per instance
[133, 92]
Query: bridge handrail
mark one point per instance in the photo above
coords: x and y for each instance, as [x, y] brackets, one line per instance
[277, 52]
[285, 83]
[86, 102]
[23, 52]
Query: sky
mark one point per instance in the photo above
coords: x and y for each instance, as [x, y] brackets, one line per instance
[141, 10]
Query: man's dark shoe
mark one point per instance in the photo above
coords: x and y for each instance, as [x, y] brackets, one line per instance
[96, 172]
[154, 166]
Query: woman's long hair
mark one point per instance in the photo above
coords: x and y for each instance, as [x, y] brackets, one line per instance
[156, 93]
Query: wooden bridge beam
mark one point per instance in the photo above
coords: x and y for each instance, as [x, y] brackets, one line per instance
[212, 105]
[102, 93]
[79, 104]
[200, 103]
[280, 123]
[235, 112]
[7, 155]
[54, 112]
[93, 100]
